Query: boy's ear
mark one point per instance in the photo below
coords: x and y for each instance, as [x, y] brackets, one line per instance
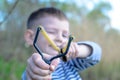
[29, 37]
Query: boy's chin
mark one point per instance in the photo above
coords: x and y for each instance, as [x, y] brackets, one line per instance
[53, 52]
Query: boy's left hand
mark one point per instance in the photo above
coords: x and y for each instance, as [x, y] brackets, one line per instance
[73, 51]
[76, 50]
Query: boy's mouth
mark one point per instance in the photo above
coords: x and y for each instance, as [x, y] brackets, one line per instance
[55, 51]
[60, 47]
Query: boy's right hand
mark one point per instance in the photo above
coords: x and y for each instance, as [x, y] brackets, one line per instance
[37, 69]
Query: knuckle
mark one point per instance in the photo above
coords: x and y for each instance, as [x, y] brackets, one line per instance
[33, 77]
[37, 61]
[44, 73]
[36, 58]
[35, 70]
[47, 78]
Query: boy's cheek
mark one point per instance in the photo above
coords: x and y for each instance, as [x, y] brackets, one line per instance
[51, 36]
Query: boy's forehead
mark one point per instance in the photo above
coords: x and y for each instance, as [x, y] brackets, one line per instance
[51, 21]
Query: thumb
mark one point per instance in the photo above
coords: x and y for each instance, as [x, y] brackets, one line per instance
[52, 67]
[54, 64]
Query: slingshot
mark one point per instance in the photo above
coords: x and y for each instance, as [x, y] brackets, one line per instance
[62, 52]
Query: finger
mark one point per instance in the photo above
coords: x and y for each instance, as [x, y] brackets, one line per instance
[37, 70]
[76, 50]
[54, 64]
[33, 76]
[37, 60]
[28, 75]
[71, 52]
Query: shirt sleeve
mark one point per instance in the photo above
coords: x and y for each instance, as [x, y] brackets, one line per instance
[24, 76]
[91, 60]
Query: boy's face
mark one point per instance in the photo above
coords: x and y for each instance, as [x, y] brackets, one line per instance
[57, 30]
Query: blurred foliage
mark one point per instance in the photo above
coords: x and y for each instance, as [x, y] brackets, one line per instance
[85, 25]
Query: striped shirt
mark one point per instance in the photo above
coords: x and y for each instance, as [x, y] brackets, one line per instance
[70, 70]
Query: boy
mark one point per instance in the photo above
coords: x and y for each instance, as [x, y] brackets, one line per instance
[80, 56]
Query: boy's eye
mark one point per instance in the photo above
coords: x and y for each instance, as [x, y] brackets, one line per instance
[65, 35]
[50, 32]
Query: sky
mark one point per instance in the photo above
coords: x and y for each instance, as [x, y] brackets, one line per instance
[114, 13]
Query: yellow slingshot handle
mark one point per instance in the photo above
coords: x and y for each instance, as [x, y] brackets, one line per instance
[48, 39]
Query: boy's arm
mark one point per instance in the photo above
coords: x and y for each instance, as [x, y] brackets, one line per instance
[93, 58]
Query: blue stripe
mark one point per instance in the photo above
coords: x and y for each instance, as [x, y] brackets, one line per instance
[65, 72]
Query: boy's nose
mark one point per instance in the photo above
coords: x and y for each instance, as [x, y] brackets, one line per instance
[59, 38]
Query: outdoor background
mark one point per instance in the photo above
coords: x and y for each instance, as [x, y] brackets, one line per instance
[86, 24]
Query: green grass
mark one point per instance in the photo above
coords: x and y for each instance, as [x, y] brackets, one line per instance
[11, 70]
